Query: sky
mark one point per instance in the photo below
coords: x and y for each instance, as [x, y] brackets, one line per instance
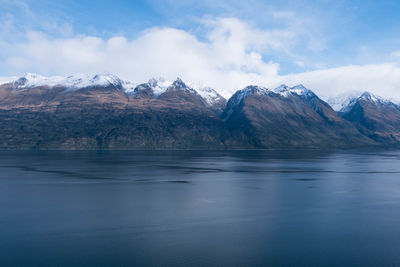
[331, 47]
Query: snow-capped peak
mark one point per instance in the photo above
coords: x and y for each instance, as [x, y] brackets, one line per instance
[209, 95]
[286, 91]
[281, 88]
[106, 79]
[247, 91]
[366, 96]
[374, 98]
[76, 81]
[161, 85]
[299, 89]
[178, 83]
[85, 80]
[34, 80]
[254, 90]
[237, 98]
[158, 85]
[371, 97]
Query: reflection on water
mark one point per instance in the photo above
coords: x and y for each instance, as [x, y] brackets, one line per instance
[200, 208]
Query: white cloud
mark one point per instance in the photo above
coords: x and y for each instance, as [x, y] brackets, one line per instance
[381, 79]
[228, 58]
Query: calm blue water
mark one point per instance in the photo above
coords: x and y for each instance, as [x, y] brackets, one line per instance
[276, 208]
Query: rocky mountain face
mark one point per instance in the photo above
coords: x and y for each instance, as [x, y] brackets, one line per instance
[105, 112]
[377, 118]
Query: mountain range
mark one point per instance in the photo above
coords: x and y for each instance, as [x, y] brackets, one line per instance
[105, 112]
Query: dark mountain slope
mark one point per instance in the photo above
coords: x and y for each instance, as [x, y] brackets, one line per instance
[105, 117]
[288, 117]
[377, 118]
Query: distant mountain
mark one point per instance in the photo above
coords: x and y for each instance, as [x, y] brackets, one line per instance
[288, 117]
[156, 87]
[37, 92]
[73, 82]
[99, 112]
[375, 117]
[105, 112]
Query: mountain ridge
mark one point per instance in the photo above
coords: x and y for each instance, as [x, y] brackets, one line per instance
[104, 112]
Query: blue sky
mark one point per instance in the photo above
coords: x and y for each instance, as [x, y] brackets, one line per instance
[267, 42]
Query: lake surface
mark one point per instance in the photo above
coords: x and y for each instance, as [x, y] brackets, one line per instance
[179, 208]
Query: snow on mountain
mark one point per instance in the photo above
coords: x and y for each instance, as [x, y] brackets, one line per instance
[374, 98]
[72, 82]
[209, 95]
[180, 85]
[240, 95]
[128, 86]
[247, 91]
[78, 81]
[302, 91]
[282, 90]
[33, 80]
[287, 91]
[159, 85]
[341, 100]
[366, 96]
[85, 80]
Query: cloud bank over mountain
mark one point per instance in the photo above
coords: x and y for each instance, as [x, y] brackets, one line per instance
[225, 53]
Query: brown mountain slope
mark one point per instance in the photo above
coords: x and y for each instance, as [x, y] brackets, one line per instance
[288, 118]
[376, 118]
[107, 118]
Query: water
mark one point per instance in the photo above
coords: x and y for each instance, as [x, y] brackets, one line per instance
[277, 208]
